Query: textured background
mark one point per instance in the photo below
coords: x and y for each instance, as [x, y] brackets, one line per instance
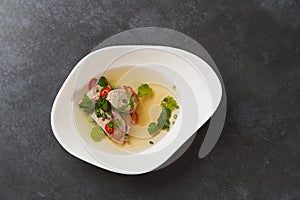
[256, 45]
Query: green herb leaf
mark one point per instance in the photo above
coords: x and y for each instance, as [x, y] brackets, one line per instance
[103, 116]
[112, 124]
[97, 133]
[98, 108]
[104, 105]
[98, 112]
[169, 103]
[103, 81]
[109, 113]
[152, 128]
[163, 122]
[167, 125]
[144, 90]
[131, 103]
[86, 104]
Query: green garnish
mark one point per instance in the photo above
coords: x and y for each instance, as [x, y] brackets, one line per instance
[104, 105]
[175, 116]
[150, 142]
[144, 90]
[103, 116]
[167, 125]
[112, 124]
[152, 128]
[97, 90]
[102, 82]
[131, 103]
[98, 112]
[98, 109]
[169, 103]
[163, 122]
[174, 87]
[86, 104]
[97, 133]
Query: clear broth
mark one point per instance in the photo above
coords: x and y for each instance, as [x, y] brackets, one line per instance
[148, 111]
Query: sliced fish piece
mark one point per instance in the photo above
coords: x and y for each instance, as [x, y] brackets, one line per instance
[92, 94]
[120, 122]
[122, 100]
[120, 131]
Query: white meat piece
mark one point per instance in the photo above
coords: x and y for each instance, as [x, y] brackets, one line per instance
[92, 94]
[120, 100]
[119, 132]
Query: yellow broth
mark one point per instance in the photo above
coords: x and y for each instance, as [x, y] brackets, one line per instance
[148, 111]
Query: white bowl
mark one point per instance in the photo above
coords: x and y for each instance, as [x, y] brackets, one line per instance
[197, 87]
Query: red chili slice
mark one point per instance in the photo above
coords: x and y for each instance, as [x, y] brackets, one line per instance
[129, 89]
[104, 92]
[92, 82]
[134, 117]
[109, 130]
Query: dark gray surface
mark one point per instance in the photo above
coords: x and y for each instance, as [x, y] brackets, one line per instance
[256, 46]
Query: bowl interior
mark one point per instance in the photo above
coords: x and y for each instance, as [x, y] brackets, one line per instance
[134, 76]
[191, 92]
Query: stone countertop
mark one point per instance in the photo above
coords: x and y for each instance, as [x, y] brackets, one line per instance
[255, 44]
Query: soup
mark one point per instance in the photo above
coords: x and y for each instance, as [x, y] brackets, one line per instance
[129, 113]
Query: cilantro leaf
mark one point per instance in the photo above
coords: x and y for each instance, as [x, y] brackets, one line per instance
[163, 117]
[86, 104]
[152, 128]
[102, 82]
[169, 103]
[163, 122]
[97, 133]
[144, 90]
